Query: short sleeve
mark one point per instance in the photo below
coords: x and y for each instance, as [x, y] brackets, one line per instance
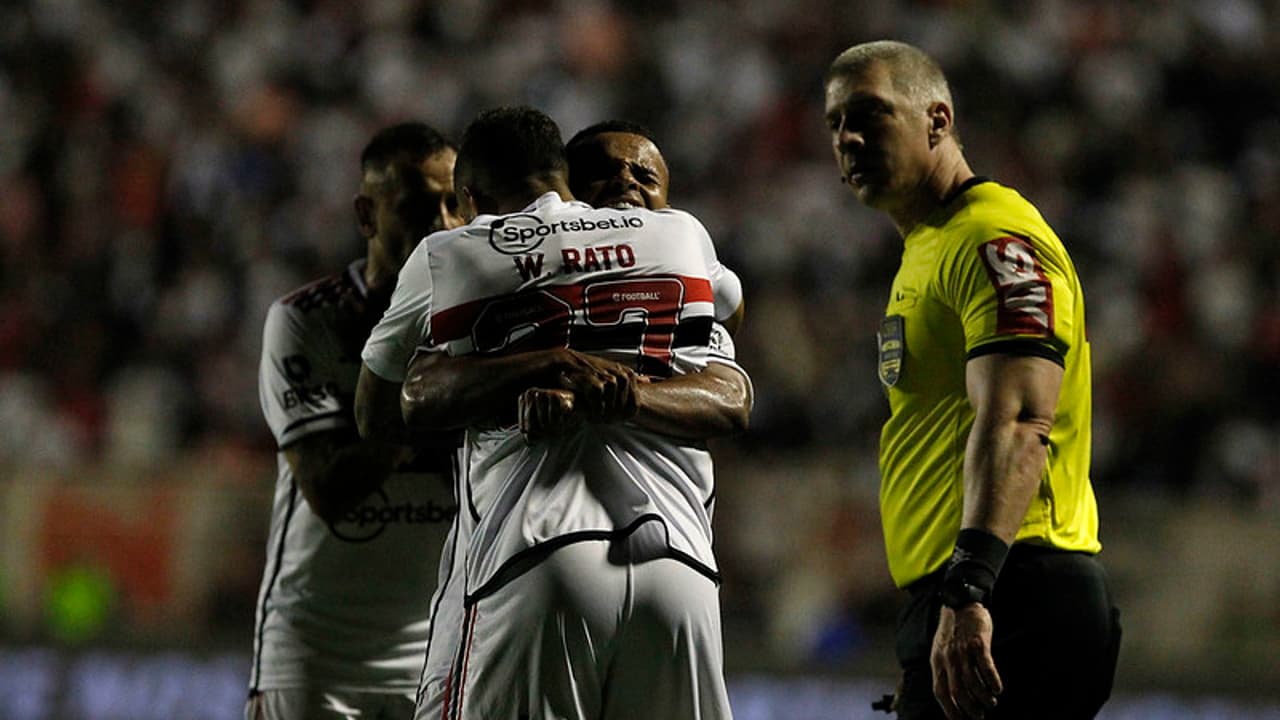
[721, 351]
[721, 347]
[726, 286]
[297, 386]
[406, 323]
[1011, 294]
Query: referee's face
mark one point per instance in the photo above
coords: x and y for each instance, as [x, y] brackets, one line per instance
[879, 136]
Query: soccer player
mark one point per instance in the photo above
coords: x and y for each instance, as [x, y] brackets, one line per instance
[617, 163]
[590, 580]
[356, 525]
[611, 157]
[989, 517]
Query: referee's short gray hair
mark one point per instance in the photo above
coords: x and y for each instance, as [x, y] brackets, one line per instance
[913, 72]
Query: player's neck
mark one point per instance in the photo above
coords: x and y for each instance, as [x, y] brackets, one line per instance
[534, 188]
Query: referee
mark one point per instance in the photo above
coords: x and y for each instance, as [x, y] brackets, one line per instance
[990, 521]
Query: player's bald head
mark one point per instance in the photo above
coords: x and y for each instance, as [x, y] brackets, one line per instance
[912, 71]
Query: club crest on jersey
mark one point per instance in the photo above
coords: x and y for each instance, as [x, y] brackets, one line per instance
[892, 342]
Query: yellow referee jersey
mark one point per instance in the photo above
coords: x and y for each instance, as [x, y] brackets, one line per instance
[983, 274]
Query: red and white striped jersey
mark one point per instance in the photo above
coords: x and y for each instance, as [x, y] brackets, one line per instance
[633, 285]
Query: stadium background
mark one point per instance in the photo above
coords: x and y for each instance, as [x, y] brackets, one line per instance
[166, 169]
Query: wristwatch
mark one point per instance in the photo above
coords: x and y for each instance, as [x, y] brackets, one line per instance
[958, 592]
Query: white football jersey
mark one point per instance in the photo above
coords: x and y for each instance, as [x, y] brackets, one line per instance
[632, 285]
[447, 616]
[344, 605]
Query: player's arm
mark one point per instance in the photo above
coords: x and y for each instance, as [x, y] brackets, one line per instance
[391, 345]
[333, 469]
[336, 471]
[712, 402]
[1014, 398]
[377, 408]
[442, 392]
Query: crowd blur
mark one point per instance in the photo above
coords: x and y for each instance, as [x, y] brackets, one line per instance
[167, 169]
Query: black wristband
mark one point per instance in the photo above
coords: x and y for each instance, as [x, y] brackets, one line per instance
[973, 568]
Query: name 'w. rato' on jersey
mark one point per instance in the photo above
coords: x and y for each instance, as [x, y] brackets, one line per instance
[984, 274]
[632, 285]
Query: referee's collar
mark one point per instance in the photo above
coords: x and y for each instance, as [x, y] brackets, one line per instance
[971, 182]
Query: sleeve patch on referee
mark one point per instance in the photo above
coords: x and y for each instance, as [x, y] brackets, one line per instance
[1024, 296]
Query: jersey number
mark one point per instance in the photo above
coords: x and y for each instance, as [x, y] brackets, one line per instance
[626, 316]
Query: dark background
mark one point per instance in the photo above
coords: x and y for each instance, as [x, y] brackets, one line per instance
[167, 169]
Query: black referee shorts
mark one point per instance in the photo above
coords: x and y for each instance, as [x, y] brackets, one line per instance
[1055, 643]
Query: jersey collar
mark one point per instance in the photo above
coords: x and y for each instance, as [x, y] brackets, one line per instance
[550, 199]
[355, 271]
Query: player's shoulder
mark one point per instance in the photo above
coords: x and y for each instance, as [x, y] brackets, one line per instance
[444, 238]
[673, 211]
[324, 292]
[675, 214]
[670, 218]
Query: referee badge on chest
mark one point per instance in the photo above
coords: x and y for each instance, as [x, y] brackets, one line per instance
[892, 342]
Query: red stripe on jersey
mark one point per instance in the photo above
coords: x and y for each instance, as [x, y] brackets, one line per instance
[469, 643]
[552, 308]
[1024, 296]
[448, 687]
[324, 291]
[657, 301]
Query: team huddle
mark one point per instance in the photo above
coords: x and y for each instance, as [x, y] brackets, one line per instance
[495, 496]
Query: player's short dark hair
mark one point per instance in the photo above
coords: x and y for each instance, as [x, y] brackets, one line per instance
[608, 126]
[414, 140]
[504, 147]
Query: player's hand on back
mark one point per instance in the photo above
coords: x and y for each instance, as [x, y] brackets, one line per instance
[603, 390]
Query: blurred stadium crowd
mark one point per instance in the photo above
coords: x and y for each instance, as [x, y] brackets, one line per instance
[167, 169]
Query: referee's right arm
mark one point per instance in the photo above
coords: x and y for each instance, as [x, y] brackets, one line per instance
[1014, 398]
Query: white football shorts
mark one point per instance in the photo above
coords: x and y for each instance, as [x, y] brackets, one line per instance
[582, 637]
